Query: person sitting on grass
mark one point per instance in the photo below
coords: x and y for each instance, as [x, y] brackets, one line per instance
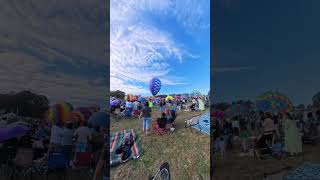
[162, 121]
[170, 120]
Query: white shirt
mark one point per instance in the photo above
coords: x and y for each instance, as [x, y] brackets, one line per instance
[235, 124]
[56, 134]
[135, 105]
[83, 134]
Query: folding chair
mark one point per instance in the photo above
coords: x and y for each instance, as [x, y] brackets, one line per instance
[117, 112]
[83, 164]
[158, 130]
[163, 173]
[22, 163]
[7, 155]
[57, 162]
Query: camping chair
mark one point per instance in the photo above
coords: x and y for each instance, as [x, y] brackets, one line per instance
[163, 173]
[311, 136]
[158, 130]
[267, 149]
[7, 154]
[117, 112]
[57, 162]
[83, 164]
[23, 163]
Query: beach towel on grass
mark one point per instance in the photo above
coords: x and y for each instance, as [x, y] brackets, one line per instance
[116, 141]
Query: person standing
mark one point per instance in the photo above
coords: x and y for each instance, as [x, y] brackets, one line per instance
[83, 135]
[293, 142]
[56, 136]
[66, 141]
[146, 117]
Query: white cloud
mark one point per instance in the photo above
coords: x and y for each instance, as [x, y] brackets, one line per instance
[23, 72]
[139, 51]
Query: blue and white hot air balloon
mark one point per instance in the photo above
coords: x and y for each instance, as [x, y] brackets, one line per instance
[154, 86]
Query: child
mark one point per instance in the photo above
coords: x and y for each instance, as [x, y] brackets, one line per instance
[244, 135]
[222, 147]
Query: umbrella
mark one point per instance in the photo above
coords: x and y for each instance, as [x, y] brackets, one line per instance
[99, 119]
[11, 132]
[142, 99]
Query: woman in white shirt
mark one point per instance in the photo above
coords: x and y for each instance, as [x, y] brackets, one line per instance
[56, 137]
[67, 141]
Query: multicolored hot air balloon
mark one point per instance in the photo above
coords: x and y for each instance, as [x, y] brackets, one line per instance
[274, 102]
[60, 112]
[154, 86]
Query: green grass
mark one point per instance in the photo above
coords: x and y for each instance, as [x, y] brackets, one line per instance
[248, 168]
[186, 150]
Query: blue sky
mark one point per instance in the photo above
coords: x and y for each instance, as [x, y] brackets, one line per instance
[168, 39]
[266, 45]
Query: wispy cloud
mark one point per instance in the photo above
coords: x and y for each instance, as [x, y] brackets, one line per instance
[140, 51]
[28, 74]
[232, 69]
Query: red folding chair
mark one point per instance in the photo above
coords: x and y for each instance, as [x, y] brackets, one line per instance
[158, 130]
[83, 164]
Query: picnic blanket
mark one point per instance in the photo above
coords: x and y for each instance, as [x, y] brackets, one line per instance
[204, 124]
[115, 142]
[307, 171]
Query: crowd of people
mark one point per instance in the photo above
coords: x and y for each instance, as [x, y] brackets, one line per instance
[69, 139]
[143, 109]
[265, 133]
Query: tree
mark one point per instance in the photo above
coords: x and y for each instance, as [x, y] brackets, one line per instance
[162, 96]
[118, 94]
[25, 103]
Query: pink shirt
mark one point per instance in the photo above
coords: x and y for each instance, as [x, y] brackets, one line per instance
[268, 125]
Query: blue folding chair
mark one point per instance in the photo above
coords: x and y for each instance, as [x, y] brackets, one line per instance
[57, 162]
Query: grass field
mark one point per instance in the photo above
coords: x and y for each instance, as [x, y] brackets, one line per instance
[186, 150]
[248, 168]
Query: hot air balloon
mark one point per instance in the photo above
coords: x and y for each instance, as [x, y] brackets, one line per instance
[61, 112]
[154, 86]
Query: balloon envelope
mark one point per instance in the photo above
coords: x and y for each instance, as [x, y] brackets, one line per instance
[7, 133]
[85, 111]
[154, 86]
[61, 112]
